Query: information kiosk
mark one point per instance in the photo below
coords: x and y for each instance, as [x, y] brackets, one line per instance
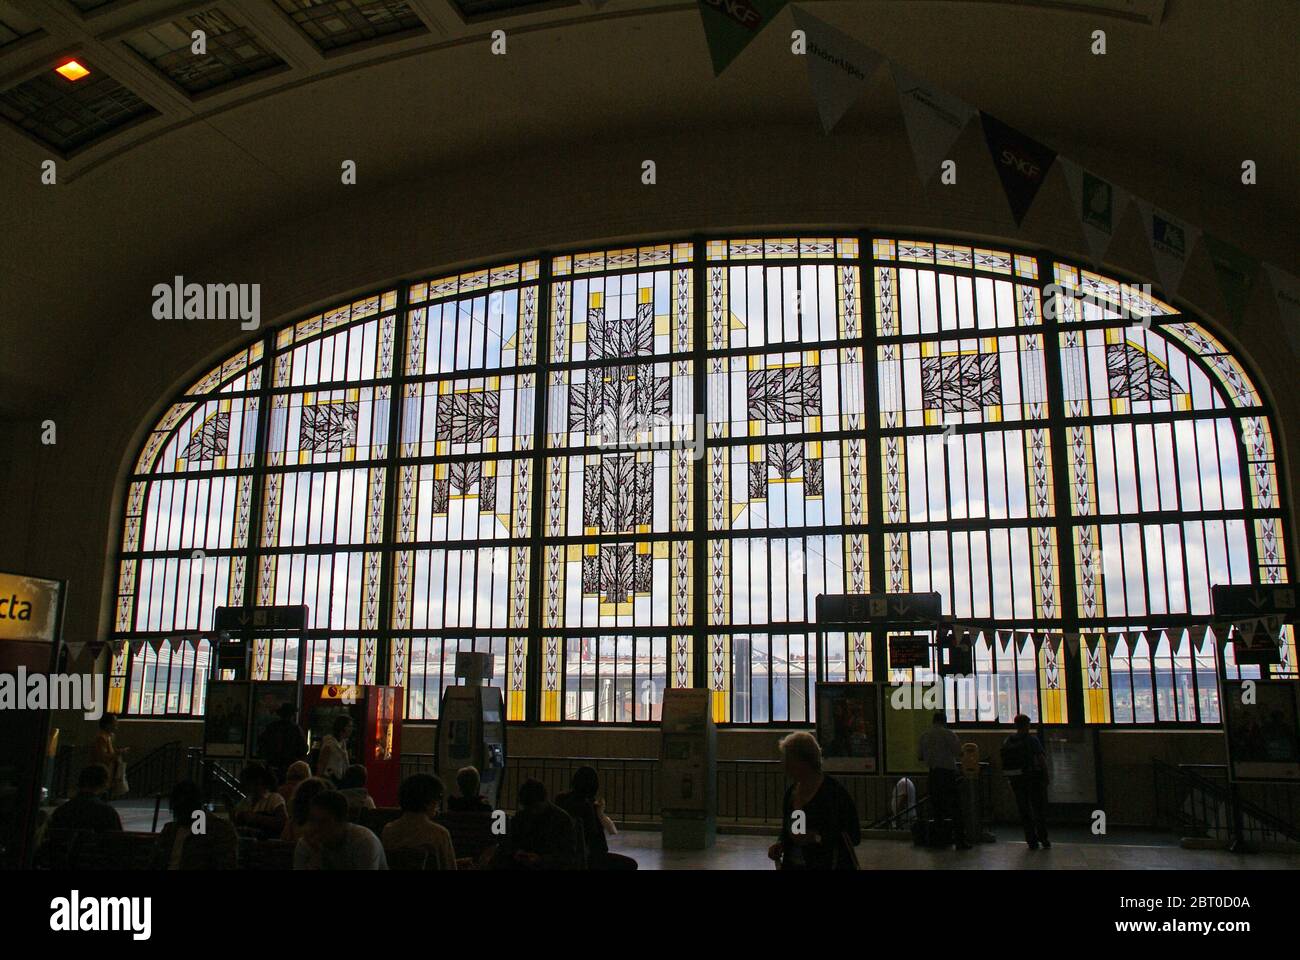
[376, 741]
[688, 763]
[471, 727]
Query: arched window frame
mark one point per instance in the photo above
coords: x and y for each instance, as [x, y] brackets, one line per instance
[542, 663]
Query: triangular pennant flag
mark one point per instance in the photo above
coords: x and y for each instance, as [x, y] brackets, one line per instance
[730, 25]
[933, 117]
[1286, 291]
[1098, 203]
[839, 67]
[1021, 161]
[1196, 633]
[157, 643]
[1236, 271]
[1171, 243]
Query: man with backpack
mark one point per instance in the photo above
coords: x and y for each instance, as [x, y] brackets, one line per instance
[1024, 761]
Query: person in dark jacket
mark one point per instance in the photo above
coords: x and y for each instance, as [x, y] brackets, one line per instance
[541, 836]
[282, 742]
[819, 822]
[1024, 762]
[588, 813]
[88, 810]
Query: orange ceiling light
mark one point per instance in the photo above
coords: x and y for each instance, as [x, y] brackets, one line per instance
[71, 70]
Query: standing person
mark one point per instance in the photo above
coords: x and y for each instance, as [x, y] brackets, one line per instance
[330, 842]
[282, 743]
[826, 829]
[105, 752]
[940, 751]
[333, 761]
[1024, 761]
[588, 813]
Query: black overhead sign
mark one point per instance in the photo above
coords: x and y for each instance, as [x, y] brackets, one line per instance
[879, 608]
[260, 618]
[1254, 600]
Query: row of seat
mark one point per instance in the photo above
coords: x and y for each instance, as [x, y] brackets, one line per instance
[471, 836]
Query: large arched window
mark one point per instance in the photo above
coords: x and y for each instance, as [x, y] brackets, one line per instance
[626, 470]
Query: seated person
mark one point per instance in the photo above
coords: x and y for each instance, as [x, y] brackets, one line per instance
[330, 842]
[467, 799]
[300, 809]
[419, 797]
[541, 835]
[88, 810]
[207, 842]
[588, 813]
[298, 772]
[353, 788]
[262, 811]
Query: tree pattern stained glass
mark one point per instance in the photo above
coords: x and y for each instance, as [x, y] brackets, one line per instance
[618, 484]
[1170, 470]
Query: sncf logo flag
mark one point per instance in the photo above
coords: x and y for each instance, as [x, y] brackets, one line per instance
[729, 26]
[1021, 161]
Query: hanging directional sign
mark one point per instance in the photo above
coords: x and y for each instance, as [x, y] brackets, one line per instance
[260, 618]
[909, 650]
[1254, 600]
[1256, 641]
[881, 608]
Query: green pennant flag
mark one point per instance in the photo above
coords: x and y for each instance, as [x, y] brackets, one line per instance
[1237, 272]
[730, 25]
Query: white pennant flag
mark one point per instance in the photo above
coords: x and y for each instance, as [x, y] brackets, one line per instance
[839, 67]
[1171, 243]
[1286, 290]
[934, 119]
[1098, 203]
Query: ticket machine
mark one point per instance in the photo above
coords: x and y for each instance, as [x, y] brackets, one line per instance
[471, 727]
[688, 770]
[376, 741]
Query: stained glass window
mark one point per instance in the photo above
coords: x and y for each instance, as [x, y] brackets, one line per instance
[623, 470]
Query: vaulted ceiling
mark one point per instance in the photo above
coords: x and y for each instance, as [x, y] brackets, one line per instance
[175, 165]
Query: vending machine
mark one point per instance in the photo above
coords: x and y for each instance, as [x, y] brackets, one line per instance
[376, 740]
[688, 770]
[472, 733]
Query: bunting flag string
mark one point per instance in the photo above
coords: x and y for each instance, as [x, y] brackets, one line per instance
[1286, 293]
[731, 25]
[1171, 241]
[1098, 203]
[1236, 272]
[839, 67]
[1021, 161]
[934, 120]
